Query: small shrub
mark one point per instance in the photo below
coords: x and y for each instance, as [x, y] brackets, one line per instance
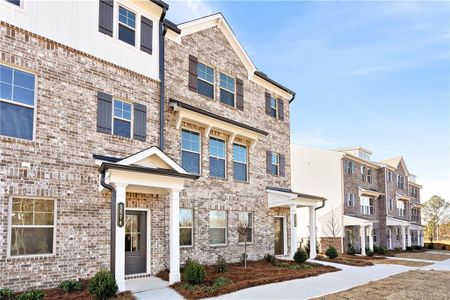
[283, 265]
[379, 250]
[103, 285]
[370, 253]
[331, 252]
[32, 295]
[209, 289]
[351, 250]
[70, 285]
[7, 294]
[194, 273]
[271, 259]
[221, 282]
[397, 249]
[409, 249]
[305, 266]
[417, 247]
[244, 257]
[443, 247]
[189, 287]
[300, 256]
[220, 265]
[430, 246]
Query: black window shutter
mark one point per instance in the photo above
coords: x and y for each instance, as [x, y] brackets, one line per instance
[146, 35]
[268, 103]
[239, 94]
[282, 165]
[193, 73]
[105, 17]
[280, 109]
[269, 162]
[140, 122]
[104, 112]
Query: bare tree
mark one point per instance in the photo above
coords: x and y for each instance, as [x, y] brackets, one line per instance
[333, 225]
[243, 230]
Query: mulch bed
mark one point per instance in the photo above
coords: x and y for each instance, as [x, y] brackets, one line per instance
[59, 294]
[363, 257]
[257, 273]
[346, 260]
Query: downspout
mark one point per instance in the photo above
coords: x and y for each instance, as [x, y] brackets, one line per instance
[162, 32]
[113, 221]
[322, 206]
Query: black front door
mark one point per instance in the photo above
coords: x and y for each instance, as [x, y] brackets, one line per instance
[279, 236]
[135, 242]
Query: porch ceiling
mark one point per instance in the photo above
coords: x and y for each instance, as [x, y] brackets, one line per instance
[390, 221]
[357, 221]
[369, 193]
[279, 197]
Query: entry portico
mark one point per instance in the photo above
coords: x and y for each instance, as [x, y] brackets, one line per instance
[147, 172]
[285, 198]
[404, 225]
[365, 229]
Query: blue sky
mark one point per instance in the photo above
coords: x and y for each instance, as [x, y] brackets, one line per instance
[371, 74]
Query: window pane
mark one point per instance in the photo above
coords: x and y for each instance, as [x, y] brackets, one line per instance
[21, 204]
[206, 73]
[126, 34]
[274, 169]
[190, 141]
[217, 236]
[226, 97]
[22, 218]
[43, 219]
[186, 219]
[43, 205]
[23, 95]
[23, 79]
[239, 153]
[239, 171]
[216, 148]
[6, 74]
[185, 236]
[206, 89]
[29, 241]
[16, 121]
[217, 218]
[190, 162]
[216, 167]
[249, 236]
[227, 82]
[6, 91]
[122, 128]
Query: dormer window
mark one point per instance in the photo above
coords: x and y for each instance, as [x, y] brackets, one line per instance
[227, 89]
[127, 26]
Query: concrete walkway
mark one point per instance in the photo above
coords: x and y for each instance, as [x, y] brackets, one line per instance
[310, 287]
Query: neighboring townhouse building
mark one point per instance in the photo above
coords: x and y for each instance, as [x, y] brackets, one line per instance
[368, 203]
[130, 143]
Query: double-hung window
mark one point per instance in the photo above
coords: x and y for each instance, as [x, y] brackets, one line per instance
[186, 227]
[127, 26]
[363, 173]
[239, 162]
[400, 182]
[369, 175]
[32, 226]
[401, 208]
[350, 200]
[246, 223]
[366, 206]
[190, 151]
[217, 227]
[374, 234]
[17, 103]
[273, 107]
[275, 163]
[227, 89]
[390, 204]
[122, 118]
[349, 167]
[205, 80]
[389, 176]
[216, 158]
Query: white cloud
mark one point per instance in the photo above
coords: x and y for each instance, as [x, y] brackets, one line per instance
[185, 10]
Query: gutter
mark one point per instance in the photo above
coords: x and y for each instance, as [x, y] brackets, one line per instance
[113, 221]
[322, 206]
[162, 32]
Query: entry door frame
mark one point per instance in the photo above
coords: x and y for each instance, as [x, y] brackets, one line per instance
[284, 233]
[389, 230]
[149, 250]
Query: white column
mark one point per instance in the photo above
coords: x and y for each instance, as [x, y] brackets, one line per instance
[409, 235]
[174, 238]
[312, 232]
[371, 237]
[362, 233]
[403, 237]
[120, 237]
[422, 237]
[293, 223]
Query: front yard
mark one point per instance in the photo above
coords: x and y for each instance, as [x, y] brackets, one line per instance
[236, 277]
[422, 255]
[415, 284]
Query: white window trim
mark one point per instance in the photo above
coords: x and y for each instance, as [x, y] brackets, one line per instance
[276, 106]
[251, 228]
[123, 119]
[200, 144]
[190, 227]
[10, 226]
[34, 107]
[239, 162]
[226, 228]
[214, 75]
[137, 37]
[225, 89]
[218, 157]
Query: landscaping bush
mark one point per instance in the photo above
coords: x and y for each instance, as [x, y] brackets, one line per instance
[351, 250]
[300, 256]
[308, 246]
[397, 249]
[32, 295]
[220, 265]
[103, 285]
[271, 259]
[194, 273]
[369, 253]
[443, 247]
[221, 282]
[7, 294]
[417, 247]
[70, 285]
[409, 249]
[379, 250]
[331, 252]
[430, 246]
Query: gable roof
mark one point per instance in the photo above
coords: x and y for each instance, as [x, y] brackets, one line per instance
[395, 163]
[219, 21]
